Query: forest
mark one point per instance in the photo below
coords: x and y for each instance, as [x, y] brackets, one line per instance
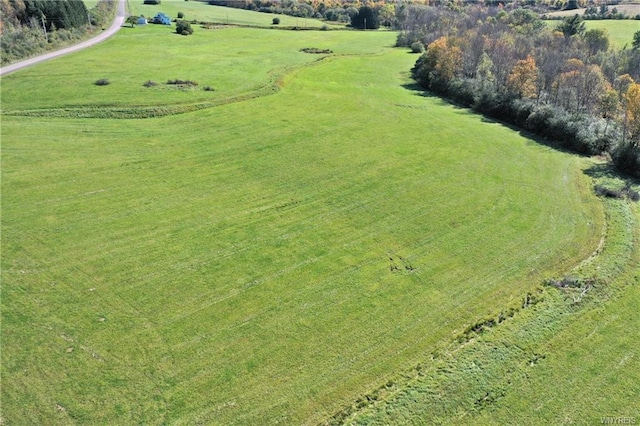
[564, 83]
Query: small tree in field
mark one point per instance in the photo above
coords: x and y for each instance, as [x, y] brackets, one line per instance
[132, 20]
[275, 21]
[180, 15]
[184, 28]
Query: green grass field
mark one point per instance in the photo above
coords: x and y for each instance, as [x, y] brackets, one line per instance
[542, 365]
[268, 258]
[203, 12]
[233, 61]
[620, 31]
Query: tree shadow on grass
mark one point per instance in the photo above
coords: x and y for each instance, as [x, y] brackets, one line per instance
[608, 171]
[596, 171]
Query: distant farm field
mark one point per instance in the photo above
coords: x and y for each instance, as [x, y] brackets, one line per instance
[267, 258]
[201, 11]
[620, 31]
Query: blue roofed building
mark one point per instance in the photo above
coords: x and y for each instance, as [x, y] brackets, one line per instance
[161, 18]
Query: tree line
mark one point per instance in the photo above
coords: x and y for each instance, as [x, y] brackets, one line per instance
[30, 27]
[564, 83]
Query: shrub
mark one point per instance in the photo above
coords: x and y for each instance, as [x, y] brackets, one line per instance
[180, 15]
[102, 82]
[417, 47]
[316, 50]
[626, 157]
[184, 28]
[275, 21]
[149, 83]
[179, 82]
[324, 28]
[152, 1]
[461, 91]
[603, 191]
[208, 89]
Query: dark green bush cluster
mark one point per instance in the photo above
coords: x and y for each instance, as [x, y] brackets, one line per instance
[626, 157]
[102, 82]
[316, 50]
[152, 1]
[149, 83]
[417, 47]
[180, 82]
[275, 21]
[184, 28]
[603, 191]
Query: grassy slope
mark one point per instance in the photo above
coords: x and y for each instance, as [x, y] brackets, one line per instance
[558, 363]
[620, 32]
[202, 12]
[233, 265]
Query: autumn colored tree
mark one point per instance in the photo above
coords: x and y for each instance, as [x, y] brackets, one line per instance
[523, 79]
[632, 110]
[580, 88]
[439, 64]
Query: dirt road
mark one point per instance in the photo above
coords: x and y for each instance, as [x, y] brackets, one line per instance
[115, 26]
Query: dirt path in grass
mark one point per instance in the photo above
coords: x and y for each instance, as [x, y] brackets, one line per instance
[115, 26]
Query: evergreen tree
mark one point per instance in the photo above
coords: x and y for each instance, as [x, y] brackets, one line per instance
[367, 19]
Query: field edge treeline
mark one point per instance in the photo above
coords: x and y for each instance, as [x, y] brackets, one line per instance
[564, 84]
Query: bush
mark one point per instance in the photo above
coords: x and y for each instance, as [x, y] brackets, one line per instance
[626, 157]
[461, 91]
[180, 15]
[603, 191]
[102, 82]
[275, 21]
[149, 83]
[417, 47]
[180, 82]
[208, 89]
[152, 1]
[184, 28]
[316, 50]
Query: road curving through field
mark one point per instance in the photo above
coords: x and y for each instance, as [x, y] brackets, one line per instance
[115, 26]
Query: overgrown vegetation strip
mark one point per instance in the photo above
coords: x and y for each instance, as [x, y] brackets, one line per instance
[470, 380]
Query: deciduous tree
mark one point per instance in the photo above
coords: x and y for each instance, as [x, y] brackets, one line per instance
[632, 100]
[523, 79]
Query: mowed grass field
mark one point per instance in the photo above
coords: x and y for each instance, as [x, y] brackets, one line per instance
[232, 61]
[201, 11]
[267, 260]
[542, 365]
[620, 31]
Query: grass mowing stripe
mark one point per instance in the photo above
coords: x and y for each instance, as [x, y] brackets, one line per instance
[520, 370]
[250, 244]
